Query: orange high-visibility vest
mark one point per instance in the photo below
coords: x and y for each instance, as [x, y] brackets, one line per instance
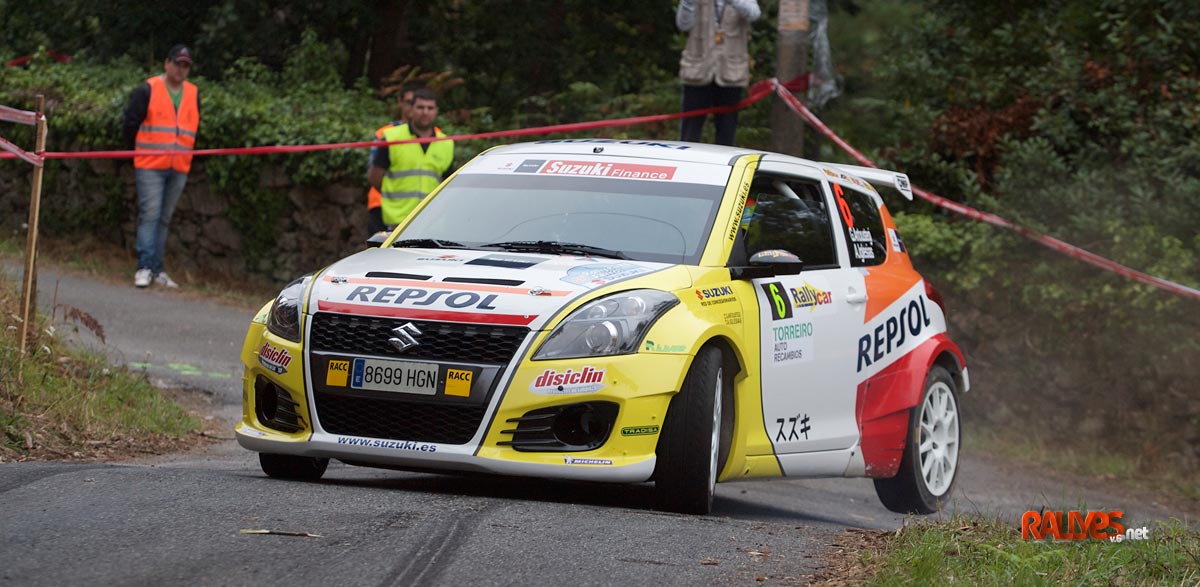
[166, 130]
[374, 198]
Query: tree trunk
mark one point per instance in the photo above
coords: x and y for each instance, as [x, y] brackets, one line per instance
[388, 37]
[791, 50]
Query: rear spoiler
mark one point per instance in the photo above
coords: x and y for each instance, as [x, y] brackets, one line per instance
[881, 177]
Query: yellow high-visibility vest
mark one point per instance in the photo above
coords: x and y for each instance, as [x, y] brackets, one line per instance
[414, 172]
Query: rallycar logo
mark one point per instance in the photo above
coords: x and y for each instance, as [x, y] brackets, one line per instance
[607, 169]
[551, 382]
[810, 297]
[273, 358]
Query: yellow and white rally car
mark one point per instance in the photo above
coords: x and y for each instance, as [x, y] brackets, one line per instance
[623, 311]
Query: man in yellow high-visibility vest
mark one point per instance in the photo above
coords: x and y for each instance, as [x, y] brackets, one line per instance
[374, 198]
[404, 174]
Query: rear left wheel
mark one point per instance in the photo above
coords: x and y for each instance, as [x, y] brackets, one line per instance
[695, 437]
[292, 467]
[930, 463]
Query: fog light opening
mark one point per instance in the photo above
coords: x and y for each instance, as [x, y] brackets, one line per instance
[581, 425]
[266, 400]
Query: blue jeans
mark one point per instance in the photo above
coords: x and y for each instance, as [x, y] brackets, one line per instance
[158, 192]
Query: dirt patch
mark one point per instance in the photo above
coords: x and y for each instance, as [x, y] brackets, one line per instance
[845, 561]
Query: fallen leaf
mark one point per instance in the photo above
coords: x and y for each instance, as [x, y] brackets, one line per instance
[710, 562]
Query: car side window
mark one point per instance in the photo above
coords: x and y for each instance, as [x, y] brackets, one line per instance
[789, 214]
[863, 226]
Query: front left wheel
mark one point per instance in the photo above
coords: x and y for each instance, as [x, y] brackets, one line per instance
[292, 467]
[695, 437]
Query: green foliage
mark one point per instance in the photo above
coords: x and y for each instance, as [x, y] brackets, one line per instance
[1077, 119]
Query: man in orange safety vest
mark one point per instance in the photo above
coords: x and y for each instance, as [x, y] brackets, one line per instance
[162, 119]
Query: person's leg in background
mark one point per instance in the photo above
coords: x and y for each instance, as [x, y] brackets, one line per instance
[173, 188]
[375, 220]
[726, 123]
[150, 185]
[694, 98]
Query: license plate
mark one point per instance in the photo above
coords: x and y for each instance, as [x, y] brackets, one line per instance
[395, 376]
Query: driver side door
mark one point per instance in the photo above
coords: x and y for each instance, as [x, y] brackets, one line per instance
[809, 322]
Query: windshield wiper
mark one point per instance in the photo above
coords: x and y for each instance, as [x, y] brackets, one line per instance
[427, 243]
[555, 247]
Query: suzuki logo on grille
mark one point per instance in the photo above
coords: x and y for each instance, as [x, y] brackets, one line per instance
[404, 337]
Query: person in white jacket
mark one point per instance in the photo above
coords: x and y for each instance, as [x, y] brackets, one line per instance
[715, 66]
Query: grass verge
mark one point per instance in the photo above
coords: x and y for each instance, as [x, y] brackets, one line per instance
[970, 551]
[69, 404]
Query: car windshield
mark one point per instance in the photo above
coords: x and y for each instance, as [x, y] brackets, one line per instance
[666, 222]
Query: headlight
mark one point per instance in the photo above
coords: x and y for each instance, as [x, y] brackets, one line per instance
[614, 325]
[284, 319]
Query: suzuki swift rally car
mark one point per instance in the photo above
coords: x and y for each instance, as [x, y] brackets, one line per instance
[621, 311]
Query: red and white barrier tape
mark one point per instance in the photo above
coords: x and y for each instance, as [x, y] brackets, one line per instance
[1045, 240]
[8, 114]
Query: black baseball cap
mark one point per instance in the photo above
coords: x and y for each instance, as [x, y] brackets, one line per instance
[180, 53]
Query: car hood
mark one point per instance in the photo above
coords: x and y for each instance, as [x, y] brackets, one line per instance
[485, 287]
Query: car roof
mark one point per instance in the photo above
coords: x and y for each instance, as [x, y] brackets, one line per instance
[690, 152]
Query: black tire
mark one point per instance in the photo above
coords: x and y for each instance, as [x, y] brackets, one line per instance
[699, 417]
[292, 467]
[912, 490]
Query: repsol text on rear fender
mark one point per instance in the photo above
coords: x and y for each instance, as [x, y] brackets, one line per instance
[891, 333]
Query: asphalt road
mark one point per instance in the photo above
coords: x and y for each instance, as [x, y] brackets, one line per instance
[180, 519]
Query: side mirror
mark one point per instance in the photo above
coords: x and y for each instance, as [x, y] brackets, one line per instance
[376, 240]
[769, 263]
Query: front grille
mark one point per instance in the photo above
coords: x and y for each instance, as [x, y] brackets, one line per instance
[440, 341]
[398, 419]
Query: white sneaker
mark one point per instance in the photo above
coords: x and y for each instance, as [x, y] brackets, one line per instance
[142, 278]
[165, 280]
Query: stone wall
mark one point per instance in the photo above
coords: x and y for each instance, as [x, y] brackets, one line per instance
[97, 196]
